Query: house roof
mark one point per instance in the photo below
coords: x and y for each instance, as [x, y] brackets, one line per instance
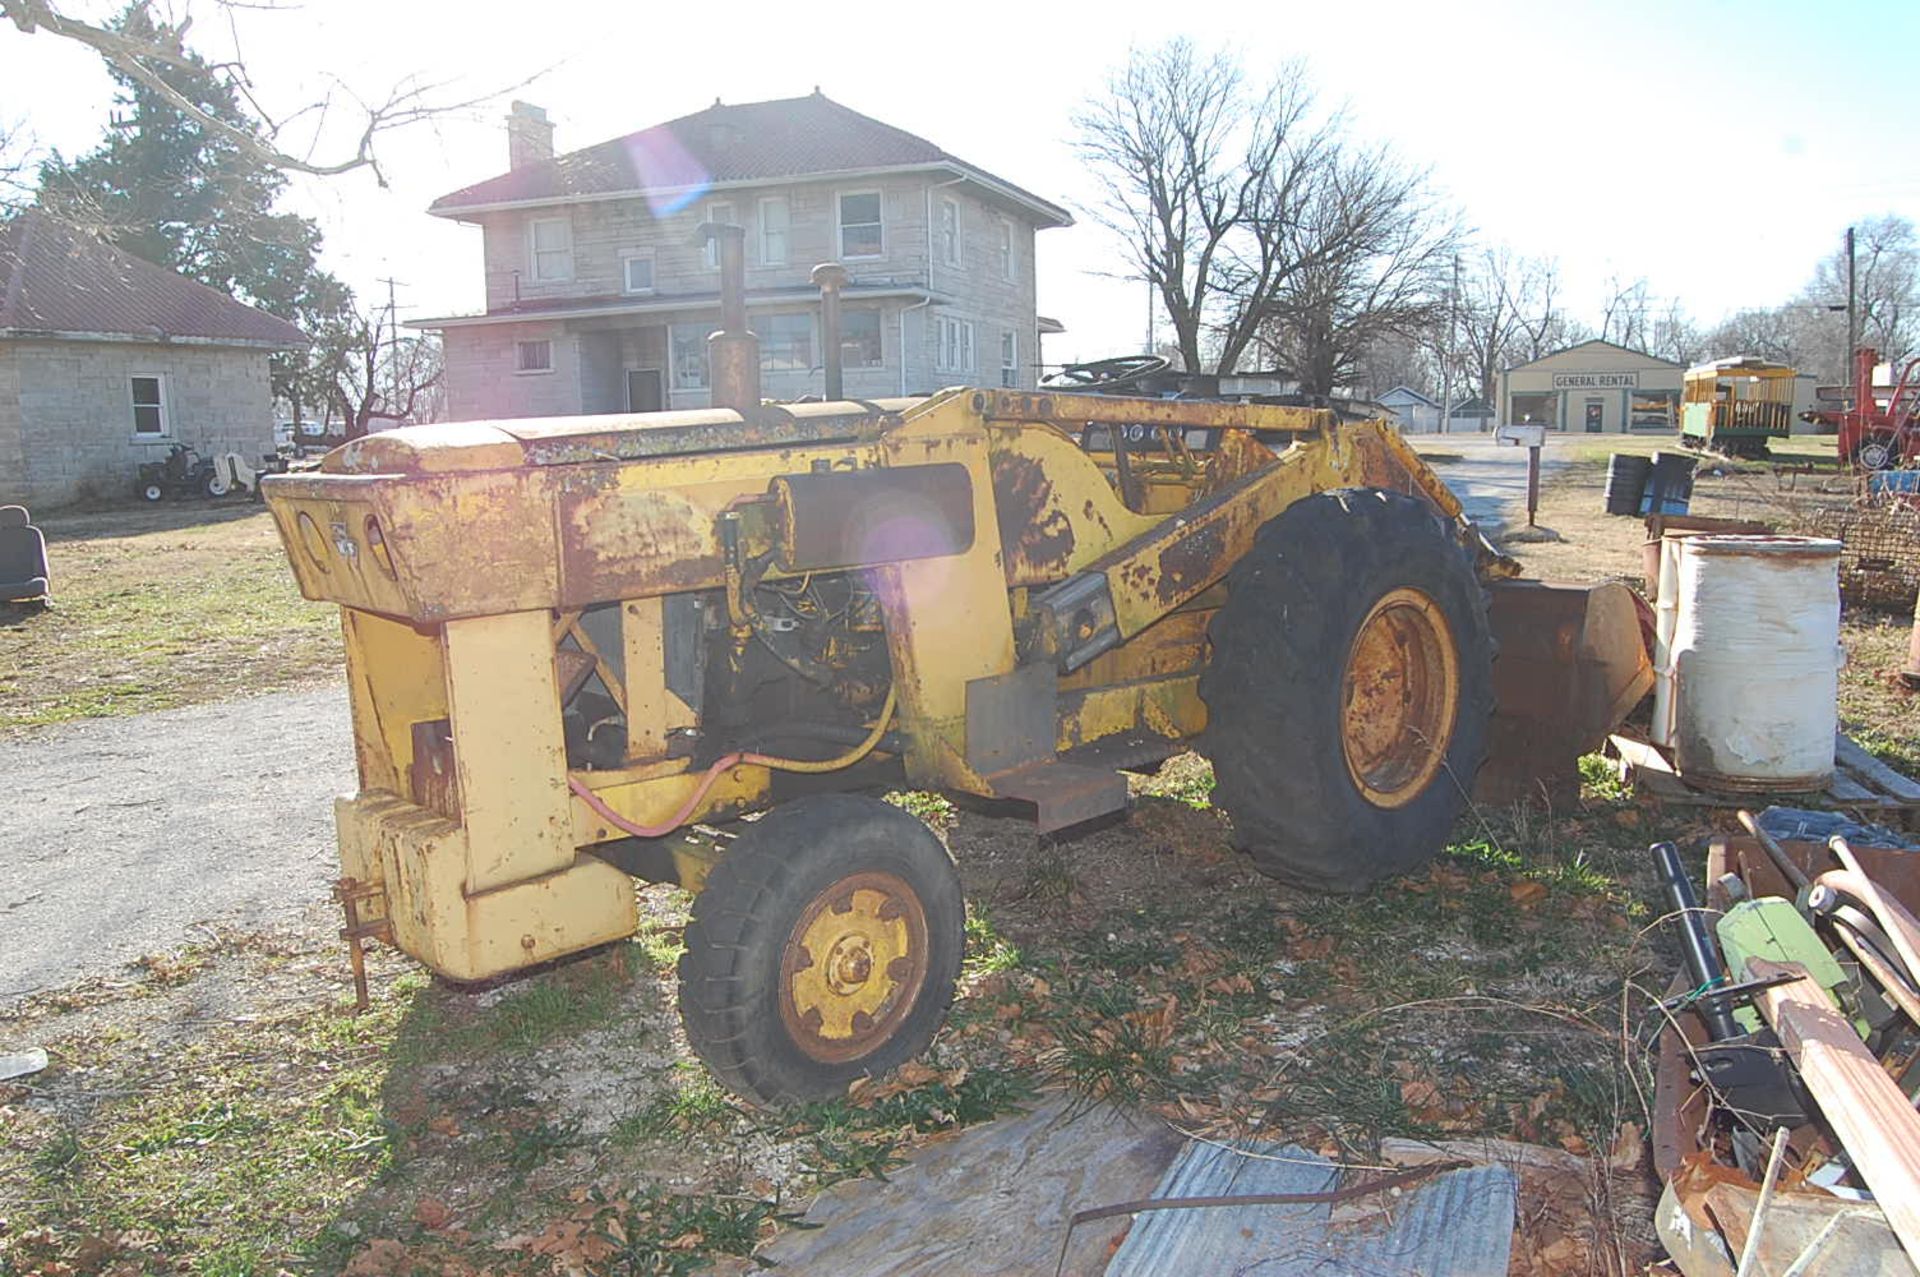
[59, 281]
[1408, 393]
[730, 146]
[1593, 341]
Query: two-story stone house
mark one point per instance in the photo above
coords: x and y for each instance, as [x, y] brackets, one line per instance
[600, 293]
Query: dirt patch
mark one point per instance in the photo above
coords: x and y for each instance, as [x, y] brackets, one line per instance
[157, 606]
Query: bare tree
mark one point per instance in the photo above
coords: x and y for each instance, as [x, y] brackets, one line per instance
[1623, 316]
[17, 161]
[1204, 176]
[1672, 334]
[1509, 312]
[287, 139]
[1373, 252]
[374, 376]
[1886, 297]
[1769, 334]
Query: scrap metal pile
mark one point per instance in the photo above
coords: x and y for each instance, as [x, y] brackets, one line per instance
[1784, 1125]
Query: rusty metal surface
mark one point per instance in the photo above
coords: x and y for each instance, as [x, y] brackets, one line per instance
[1011, 719]
[1064, 794]
[733, 353]
[1570, 666]
[431, 778]
[840, 518]
[1021, 405]
[830, 278]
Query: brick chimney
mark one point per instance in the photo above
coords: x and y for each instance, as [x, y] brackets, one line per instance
[529, 135]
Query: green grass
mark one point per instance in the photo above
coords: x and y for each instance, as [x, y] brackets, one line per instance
[936, 810]
[160, 608]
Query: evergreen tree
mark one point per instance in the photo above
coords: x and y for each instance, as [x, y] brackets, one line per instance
[168, 189]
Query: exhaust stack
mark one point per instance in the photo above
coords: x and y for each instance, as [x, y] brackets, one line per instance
[830, 278]
[733, 353]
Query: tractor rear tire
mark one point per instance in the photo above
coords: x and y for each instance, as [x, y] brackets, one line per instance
[1349, 690]
[823, 948]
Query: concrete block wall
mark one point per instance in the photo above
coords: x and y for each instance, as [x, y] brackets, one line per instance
[484, 381]
[980, 295]
[71, 424]
[13, 464]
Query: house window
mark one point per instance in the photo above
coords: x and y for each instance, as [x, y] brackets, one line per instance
[533, 356]
[150, 406]
[636, 270]
[786, 342]
[1004, 249]
[775, 220]
[954, 350]
[860, 339]
[551, 248]
[719, 215]
[860, 231]
[948, 232]
[1009, 357]
[690, 356]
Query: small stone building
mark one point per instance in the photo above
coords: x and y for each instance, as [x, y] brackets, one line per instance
[1596, 387]
[107, 360]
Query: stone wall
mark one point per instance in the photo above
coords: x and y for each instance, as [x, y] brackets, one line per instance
[66, 413]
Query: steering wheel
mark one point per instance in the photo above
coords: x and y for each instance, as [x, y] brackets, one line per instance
[1125, 370]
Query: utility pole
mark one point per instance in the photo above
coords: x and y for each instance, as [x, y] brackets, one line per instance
[1853, 321]
[1446, 354]
[393, 346]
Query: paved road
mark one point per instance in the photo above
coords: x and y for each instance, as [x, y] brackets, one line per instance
[1490, 479]
[120, 833]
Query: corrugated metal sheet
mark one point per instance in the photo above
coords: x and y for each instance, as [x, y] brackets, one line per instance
[1459, 1224]
[991, 1202]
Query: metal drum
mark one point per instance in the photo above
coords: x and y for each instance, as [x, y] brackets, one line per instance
[1627, 477]
[1756, 661]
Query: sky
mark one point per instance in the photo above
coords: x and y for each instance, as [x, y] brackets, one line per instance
[1716, 149]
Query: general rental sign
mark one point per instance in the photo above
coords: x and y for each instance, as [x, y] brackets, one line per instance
[1596, 380]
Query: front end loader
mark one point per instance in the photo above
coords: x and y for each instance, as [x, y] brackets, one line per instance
[579, 650]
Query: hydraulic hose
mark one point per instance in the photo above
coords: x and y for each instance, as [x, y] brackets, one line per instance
[721, 764]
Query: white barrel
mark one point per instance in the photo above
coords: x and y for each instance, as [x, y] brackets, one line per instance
[1756, 661]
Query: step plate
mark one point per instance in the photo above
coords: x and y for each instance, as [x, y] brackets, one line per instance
[1065, 794]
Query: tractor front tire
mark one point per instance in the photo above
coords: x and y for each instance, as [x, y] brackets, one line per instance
[1349, 690]
[823, 948]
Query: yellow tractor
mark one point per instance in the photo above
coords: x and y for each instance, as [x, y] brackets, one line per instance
[580, 649]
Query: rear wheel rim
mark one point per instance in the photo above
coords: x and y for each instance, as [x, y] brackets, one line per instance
[1399, 697]
[853, 967]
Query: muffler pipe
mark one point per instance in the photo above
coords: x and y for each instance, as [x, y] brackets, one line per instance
[830, 278]
[733, 353]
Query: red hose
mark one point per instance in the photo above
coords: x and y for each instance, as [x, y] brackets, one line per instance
[673, 822]
[678, 818]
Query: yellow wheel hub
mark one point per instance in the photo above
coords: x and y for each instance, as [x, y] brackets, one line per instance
[853, 966]
[1399, 696]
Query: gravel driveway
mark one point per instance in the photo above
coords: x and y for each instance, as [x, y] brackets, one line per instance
[119, 834]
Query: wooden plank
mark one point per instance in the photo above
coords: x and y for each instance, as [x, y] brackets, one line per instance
[1873, 1118]
[1845, 789]
[1848, 752]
